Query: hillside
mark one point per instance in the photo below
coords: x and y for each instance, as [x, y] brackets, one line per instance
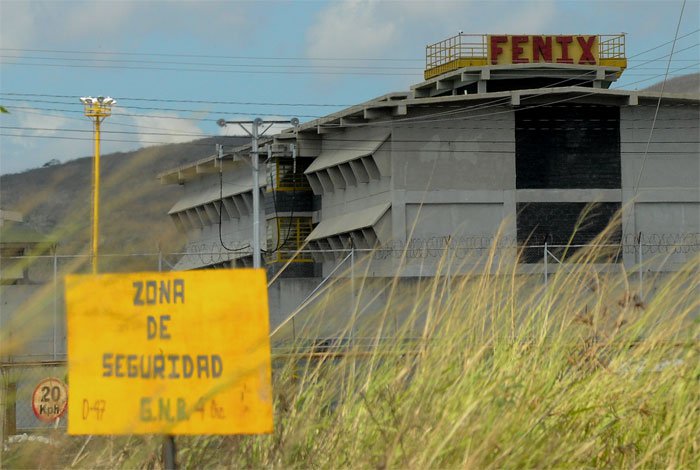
[56, 200]
[683, 84]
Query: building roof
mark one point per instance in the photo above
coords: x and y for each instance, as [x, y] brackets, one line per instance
[353, 151]
[392, 109]
[20, 233]
[447, 83]
[216, 193]
[348, 222]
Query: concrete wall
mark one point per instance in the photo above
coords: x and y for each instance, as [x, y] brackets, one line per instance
[661, 187]
[461, 172]
[354, 198]
[475, 153]
[31, 316]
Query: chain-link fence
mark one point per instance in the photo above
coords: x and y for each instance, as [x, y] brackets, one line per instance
[32, 317]
[21, 396]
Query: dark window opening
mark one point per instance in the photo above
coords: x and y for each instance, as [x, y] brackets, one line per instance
[568, 147]
[554, 223]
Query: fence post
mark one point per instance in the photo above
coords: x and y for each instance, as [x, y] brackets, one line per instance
[448, 259]
[55, 302]
[546, 274]
[640, 272]
[353, 306]
[160, 260]
[9, 409]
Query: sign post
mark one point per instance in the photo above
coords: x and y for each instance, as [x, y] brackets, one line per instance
[169, 353]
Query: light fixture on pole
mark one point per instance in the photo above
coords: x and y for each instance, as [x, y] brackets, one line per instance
[97, 109]
[255, 133]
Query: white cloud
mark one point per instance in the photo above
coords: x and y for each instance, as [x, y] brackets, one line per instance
[352, 28]
[370, 28]
[40, 123]
[32, 24]
[164, 128]
[33, 137]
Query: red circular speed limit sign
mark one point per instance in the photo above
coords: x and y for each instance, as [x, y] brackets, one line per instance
[50, 399]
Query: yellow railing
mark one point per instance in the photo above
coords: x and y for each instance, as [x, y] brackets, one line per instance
[611, 46]
[291, 234]
[463, 50]
[611, 51]
[285, 179]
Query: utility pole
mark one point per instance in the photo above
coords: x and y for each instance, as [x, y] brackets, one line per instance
[255, 133]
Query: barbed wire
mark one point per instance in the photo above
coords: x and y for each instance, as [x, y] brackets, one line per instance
[418, 247]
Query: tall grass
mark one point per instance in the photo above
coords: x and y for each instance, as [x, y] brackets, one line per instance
[480, 370]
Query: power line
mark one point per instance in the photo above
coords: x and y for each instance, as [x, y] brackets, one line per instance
[244, 103]
[666, 55]
[336, 59]
[562, 126]
[655, 76]
[435, 117]
[109, 132]
[116, 113]
[446, 151]
[160, 100]
[106, 140]
[292, 58]
[126, 62]
[281, 72]
[173, 69]
[244, 72]
[221, 209]
[664, 44]
[257, 103]
[149, 108]
[213, 64]
[431, 118]
[112, 122]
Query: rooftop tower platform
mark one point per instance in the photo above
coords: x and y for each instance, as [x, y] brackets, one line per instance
[479, 63]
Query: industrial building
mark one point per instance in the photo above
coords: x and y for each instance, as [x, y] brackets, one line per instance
[517, 133]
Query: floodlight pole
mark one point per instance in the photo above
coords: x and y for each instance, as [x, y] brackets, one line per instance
[255, 133]
[96, 196]
[97, 109]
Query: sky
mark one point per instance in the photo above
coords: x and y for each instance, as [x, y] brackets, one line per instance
[175, 67]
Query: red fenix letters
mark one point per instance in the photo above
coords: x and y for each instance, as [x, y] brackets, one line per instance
[555, 49]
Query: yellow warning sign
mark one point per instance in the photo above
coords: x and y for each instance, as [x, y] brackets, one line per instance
[169, 353]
